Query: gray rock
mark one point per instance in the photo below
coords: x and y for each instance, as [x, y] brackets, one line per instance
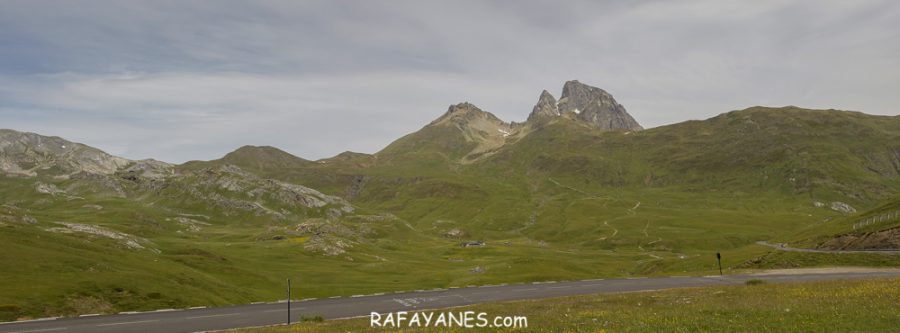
[333, 213]
[544, 109]
[47, 189]
[455, 233]
[151, 169]
[595, 107]
[28, 153]
[842, 207]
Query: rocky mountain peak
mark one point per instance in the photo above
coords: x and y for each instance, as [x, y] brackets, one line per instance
[596, 107]
[27, 154]
[465, 112]
[545, 108]
[465, 115]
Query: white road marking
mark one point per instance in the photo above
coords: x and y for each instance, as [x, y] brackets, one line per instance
[46, 330]
[283, 310]
[560, 287]
[197, 307]
[89, 315]
[529, 289]
[214, 316]
[128, 323]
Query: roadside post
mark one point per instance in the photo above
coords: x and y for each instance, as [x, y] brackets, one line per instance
[719, 260]
[289, 301]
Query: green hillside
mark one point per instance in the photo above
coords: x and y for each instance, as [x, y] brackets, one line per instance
[874, 229]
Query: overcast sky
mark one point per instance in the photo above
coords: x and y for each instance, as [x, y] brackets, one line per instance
[183, 80]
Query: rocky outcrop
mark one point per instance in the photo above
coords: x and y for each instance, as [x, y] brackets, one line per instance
[545, 108]
[842, 207]
[595, 107]
[151, 169]
[27, 154]
[888, 239]
[466, 114]
[129, 241]
[232, 188]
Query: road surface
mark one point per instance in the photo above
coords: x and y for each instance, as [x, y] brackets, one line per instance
[209, 319]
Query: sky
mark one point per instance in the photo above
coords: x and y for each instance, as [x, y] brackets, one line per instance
[194, 80]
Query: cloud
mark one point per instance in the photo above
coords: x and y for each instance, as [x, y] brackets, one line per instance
[194, 80]
[170, 116]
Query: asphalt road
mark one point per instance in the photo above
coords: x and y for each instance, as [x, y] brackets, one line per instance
[209, 319]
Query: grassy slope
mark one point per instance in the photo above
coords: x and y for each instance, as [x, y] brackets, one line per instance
[887, 216]
[838, 306]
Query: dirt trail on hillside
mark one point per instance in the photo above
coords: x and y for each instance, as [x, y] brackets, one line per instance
[784, 247]
[615, 231]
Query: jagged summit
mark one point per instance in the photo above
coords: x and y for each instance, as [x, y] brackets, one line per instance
[545, 108]
[596, 107]
[579, 101]
[589, 104]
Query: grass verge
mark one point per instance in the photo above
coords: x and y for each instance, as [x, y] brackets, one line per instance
[833, 306]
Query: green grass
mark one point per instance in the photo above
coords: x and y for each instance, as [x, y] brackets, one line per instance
[754, 282]
[835, 306]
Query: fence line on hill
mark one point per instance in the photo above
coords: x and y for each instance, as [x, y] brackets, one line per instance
[889, 216]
